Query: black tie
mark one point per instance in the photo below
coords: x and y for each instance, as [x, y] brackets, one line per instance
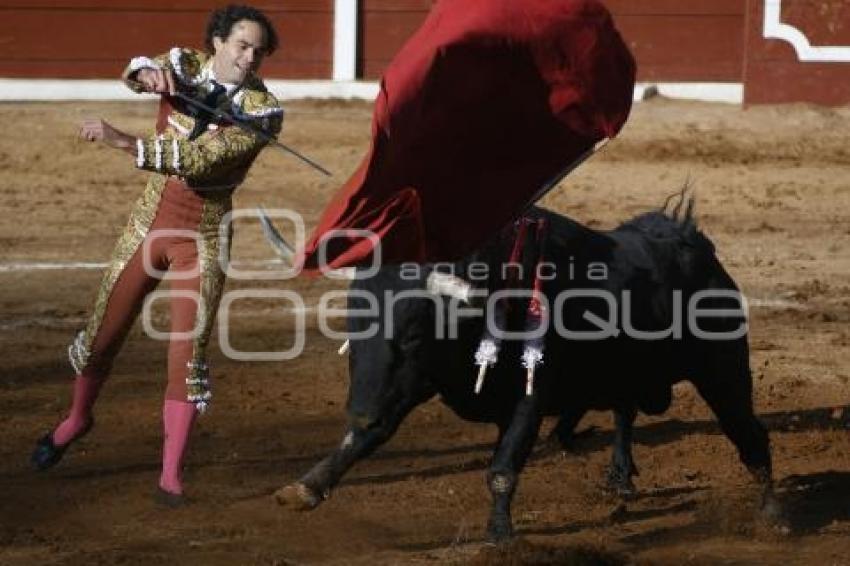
[203, 118]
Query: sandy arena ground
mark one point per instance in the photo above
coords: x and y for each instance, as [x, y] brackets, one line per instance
[773, 193]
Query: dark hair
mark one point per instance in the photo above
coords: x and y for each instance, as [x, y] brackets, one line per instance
[222, 20]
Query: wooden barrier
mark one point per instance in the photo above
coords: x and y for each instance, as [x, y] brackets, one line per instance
[781, 50]
[805, 56]
[697, 40]
[90, 39]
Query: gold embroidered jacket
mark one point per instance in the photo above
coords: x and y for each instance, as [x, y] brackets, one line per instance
[219, 157]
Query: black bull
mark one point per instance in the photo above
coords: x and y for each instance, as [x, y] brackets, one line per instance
[656, 259]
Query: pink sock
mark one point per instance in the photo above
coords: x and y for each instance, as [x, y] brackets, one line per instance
[85, 393]
[177, 419]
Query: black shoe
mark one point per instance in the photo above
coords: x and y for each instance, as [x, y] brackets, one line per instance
[168, 499]
[47, 454]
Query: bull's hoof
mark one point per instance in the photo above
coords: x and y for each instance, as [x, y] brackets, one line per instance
[619, 483]
[298, 497]
[773, 514]
[499, 529]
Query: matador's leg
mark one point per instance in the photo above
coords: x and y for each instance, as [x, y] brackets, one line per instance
[120, 297]
[194, 304]
[120, 310]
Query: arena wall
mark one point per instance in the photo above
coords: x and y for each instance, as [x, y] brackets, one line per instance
[88, 39]
[798, 50]
[749, 51]
[666, 36]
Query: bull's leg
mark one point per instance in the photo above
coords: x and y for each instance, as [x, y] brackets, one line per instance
[512, 452]
[731, 401]
[564, 431]
[622, 467]
[360, 441]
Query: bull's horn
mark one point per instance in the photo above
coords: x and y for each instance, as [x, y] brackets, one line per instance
[346, 346]
[280, 245]
[450, 285]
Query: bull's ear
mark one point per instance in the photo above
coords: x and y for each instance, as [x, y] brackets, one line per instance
[449, 285]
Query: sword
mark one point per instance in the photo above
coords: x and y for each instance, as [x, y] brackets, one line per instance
[544, 190]
[262, 134]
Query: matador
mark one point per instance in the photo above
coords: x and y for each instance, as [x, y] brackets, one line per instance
[196, 162]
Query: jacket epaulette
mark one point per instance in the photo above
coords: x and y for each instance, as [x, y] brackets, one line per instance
[254, 102]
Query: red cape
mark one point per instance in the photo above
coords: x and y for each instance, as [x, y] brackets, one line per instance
[486, 103]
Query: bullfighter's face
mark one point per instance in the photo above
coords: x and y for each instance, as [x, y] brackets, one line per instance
[240, 54]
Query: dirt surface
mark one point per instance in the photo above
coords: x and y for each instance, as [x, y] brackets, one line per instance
[773, 193]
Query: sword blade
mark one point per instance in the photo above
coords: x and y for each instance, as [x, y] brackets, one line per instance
[545, 189]
[262, 134]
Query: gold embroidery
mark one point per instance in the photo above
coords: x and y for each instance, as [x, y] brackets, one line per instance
[219, 157]
[187, 64]
[215, 158]
[134, 233]
[212, 256]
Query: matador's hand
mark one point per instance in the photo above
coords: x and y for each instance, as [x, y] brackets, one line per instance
[95, 129]
[156, 80]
